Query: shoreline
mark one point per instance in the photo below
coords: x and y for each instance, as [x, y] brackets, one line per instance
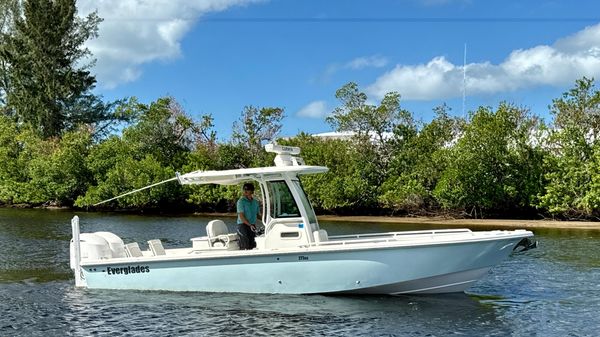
[483, 223]
[434, 221]
[443, 221]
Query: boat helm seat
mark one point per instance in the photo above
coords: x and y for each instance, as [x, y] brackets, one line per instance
[219, 236]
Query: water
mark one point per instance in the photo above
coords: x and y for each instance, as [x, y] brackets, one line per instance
[550, 291]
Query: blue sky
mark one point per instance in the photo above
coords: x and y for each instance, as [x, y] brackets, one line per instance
[217, 56]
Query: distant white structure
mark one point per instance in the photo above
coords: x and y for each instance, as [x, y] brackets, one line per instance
[347, 135]
[335, 135]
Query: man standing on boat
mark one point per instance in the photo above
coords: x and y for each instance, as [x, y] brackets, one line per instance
[247, 211]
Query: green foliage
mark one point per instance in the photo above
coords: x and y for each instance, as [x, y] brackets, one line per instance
[572, 164]
[37, 171]
[12, 169]
[209, 156]
[44, 81]
[579, 108]
[129, 174]
[152, 149]
[493, 165]
[60, 144]
[8, 10]
[373, 143]
[355, 115]
[57, 171]
[255, 128]
[346, 185]
[590, 203]
[499, 160]
[418, 159]
[232, 156]
[161, 129]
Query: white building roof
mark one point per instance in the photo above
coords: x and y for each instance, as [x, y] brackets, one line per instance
[347, 135]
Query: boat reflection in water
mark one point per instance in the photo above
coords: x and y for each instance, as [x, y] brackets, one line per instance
[294, 255]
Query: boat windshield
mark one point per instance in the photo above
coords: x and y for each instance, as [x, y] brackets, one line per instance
[282, 202]
[312, 218]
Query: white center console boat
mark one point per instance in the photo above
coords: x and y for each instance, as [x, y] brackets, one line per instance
[294, 255]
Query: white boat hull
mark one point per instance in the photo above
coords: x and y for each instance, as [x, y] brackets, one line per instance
[294, 255]
[376, 269]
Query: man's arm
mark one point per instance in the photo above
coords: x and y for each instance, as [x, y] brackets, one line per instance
[246, 222]
[240, 210]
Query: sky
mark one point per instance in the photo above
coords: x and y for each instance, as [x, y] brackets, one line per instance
[217, 56]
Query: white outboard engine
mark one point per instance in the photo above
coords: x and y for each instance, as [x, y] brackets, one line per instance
[98, 246]
[93, 247]
[116, 245]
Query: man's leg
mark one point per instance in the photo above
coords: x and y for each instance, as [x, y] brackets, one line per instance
[244, 232]
[252, 239]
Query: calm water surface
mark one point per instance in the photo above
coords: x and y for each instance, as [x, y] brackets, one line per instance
[550, 291]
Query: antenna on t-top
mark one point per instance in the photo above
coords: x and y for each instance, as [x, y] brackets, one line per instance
[464, 91]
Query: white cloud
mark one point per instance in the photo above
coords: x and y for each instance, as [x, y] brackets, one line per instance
[135, 32]
[372, 61]
[561, 63]
[316, 109]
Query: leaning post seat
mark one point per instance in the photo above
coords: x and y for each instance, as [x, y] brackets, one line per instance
[156, 247]
[219, 236]
[133, 250]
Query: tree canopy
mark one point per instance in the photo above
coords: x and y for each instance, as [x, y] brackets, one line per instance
[60, 144]
[47, 82]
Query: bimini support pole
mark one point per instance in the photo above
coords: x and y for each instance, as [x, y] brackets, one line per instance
[76, 254]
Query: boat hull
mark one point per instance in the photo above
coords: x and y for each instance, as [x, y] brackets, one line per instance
[402, 269]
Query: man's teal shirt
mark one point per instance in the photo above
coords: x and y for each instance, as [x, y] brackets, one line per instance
[249, 208]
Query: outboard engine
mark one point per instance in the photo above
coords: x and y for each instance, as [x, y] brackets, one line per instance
[116, 245]
[525, 244]
[93, 247]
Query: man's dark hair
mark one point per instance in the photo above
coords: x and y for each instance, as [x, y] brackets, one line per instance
[249, 187]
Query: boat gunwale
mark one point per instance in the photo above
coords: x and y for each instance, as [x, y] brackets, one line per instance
[322, 248]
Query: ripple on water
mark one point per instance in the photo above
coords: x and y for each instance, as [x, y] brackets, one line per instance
[56, 308]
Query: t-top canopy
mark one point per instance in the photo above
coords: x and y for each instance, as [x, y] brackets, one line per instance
[232, 177]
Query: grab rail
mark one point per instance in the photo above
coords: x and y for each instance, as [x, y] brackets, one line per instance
[386, 237]
[422, 232]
